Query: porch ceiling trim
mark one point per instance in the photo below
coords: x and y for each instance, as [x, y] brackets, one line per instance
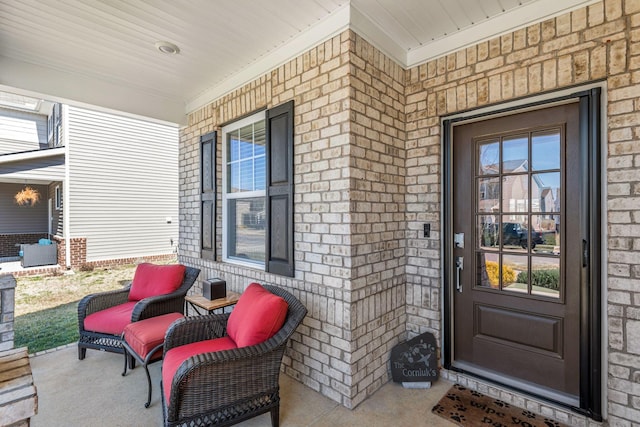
[31, 155]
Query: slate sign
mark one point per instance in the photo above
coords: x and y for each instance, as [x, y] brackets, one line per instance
[415, 360]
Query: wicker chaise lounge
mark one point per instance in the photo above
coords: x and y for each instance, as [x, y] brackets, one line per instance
[129, 305]
[229, 382]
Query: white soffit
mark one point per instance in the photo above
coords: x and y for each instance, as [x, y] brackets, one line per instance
[384, 34]
[334, 24]
[521, 17]
[414, 50]
[88, 92]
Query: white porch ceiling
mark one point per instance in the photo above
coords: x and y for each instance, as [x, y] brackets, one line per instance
[102, 52]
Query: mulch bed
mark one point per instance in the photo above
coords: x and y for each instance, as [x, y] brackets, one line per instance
[466, 407]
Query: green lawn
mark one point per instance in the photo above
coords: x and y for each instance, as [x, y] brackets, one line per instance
[46, 329]
[46, 312]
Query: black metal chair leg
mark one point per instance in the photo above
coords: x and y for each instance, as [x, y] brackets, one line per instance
[146, 369]
[124, 372]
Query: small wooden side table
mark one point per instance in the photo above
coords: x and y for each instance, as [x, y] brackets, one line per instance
[198, 302]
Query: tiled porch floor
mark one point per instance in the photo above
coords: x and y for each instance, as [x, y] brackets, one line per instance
[92, 392]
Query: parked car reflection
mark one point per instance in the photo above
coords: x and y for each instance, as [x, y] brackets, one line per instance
[513, 234]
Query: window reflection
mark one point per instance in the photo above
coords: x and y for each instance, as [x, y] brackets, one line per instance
[515, 234]
[545, 233]
[489, 158]
[545, 150]
[488, 232]
[515, 154]
[515, 193]
[488, 194]
[246, 229]
[488, 270]
[514, 273]
[545, 276]
[545, 192]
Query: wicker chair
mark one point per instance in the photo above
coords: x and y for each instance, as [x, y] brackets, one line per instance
[145, 308]
[226, 387]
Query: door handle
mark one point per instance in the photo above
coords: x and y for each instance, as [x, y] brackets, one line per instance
[459, 268]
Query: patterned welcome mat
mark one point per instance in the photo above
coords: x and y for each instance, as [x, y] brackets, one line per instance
[469, 408]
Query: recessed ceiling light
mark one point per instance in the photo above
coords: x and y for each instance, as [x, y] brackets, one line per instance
[168, 48]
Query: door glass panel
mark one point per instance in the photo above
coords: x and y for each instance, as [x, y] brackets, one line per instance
[515, 193]
[518, 211]
[543, 233]
[545, 150]
[488, 194]
[488, 158]
[514, 273]
[487, 272]
[545, 276]
[557, 248]
[488, 232]
[514, 233]
[545, 192]
[515, 154]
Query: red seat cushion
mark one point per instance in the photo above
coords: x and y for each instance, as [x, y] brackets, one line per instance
[174, 357]
[145, 335]
[111, 320]
[151, 280]
[257, 316]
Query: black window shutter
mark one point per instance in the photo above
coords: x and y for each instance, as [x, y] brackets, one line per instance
[208, 195]
[279, 203]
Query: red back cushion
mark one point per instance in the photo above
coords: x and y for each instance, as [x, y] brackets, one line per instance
[257, 316]
[151, 280]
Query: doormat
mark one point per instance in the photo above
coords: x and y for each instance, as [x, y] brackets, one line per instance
[469, 408]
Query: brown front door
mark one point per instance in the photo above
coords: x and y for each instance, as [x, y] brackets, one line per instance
[517, 252]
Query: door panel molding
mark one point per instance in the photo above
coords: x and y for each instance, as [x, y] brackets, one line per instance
[590, 394]
[490, 324]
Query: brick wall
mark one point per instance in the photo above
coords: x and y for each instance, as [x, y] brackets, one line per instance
[78, 251]
[8, 242]
[377, 214]
[368, 176]
[349, 209]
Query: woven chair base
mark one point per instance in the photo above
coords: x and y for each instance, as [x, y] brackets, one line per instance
[233, 414]
[112, 344]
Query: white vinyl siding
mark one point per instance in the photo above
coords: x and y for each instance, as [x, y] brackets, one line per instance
[123, 184]
[22, 131]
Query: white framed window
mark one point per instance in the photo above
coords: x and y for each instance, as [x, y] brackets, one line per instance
[244, 191]
[58, 198]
